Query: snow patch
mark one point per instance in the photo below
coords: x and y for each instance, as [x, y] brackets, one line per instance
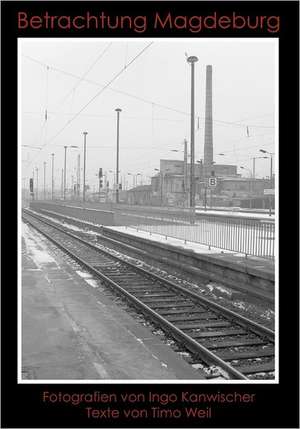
[221, 288]
[36, 248]
[268, 314]
[88, 278]
[178, 242]
[92, 283]
[240, 304]
[252, 215]
[84, 274]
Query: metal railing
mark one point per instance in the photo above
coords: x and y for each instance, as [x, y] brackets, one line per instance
[236, 233]
[255, 237]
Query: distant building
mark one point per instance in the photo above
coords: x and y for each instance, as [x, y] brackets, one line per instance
[170, 166]
[241, 192]
[172, 184]
[242, 186]
[140, 195]
[171, 187]
[224, 170]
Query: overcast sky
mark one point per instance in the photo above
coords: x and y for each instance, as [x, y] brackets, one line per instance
[244, 94]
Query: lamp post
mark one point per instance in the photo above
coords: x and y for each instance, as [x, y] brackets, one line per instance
[37, 182]
[33, 186]
[84, 163]
[271, 176]
[202, 183]
[253, 160]
[161, 184]
[185, 172]
[251, 188]
[118, 110]
[32, 147]
[136, 176]
[129, 174]
[78, 176]
[113, 178]
[192, 60]
[271, 164]
[45, 180]
[52, 176]
[65, 172]
[65, 169]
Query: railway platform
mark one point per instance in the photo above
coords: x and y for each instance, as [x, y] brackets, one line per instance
[251, 275]
[72, 329]
[225, 257]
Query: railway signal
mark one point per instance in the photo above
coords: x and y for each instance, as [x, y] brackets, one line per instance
[100, 176]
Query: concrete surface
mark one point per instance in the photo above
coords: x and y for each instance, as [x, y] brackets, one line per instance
[73, 329]
[252, 275]
[249, 275]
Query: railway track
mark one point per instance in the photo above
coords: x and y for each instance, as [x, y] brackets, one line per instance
[115, 240]
[217, 336]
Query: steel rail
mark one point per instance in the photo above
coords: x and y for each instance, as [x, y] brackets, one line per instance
[202, 352]
[256, 328]
[121, 244]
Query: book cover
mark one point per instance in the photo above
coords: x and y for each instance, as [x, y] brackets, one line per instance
[150, 214]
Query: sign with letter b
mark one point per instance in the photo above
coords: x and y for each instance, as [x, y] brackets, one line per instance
[212, 182]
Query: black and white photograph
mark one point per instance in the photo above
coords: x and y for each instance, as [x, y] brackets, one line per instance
[148, 210]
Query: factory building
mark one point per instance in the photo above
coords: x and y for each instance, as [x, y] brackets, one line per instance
[171, 185]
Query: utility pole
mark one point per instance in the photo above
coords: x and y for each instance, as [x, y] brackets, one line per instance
[78, 175]
[65, 172]
[37, 183]
[253, 167]
[84, 164]
[271, 164]
[62, 183]
[118, 110]
[252, 191]
[185, 181]
[72, 184]
[271, 170]
[161, 188]
[34, 187]
[52, 178]
[192, 60]
[100, 177]
[44, 180]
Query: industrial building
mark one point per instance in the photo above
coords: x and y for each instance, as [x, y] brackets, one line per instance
[171, 184]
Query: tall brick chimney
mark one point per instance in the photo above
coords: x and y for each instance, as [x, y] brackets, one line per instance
[208, 132]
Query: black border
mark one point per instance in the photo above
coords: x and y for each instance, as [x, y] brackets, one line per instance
[277, 405]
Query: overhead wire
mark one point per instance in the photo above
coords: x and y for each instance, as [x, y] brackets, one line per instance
[94, 115]
[145, 100]
[99, 92]
[46, 107]
[71, 91]
[153, 104]
[81, 78]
